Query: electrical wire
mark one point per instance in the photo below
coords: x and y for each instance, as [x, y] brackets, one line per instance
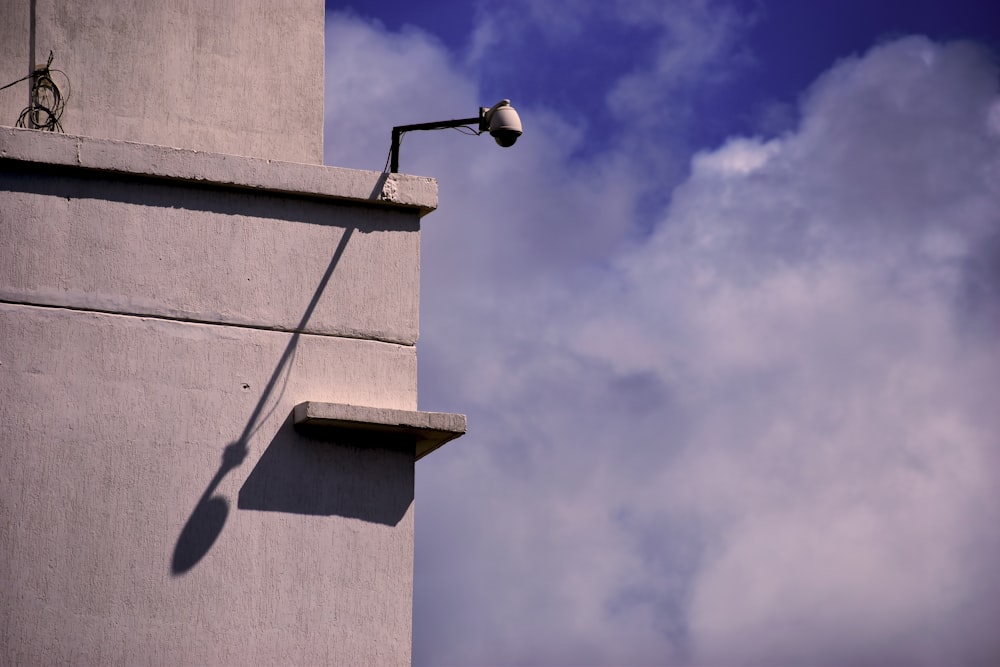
[26, 76]
[46, 101]
[465, 129]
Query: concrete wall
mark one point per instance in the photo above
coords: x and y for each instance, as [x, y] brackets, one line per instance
[243, 77]
[161, 312]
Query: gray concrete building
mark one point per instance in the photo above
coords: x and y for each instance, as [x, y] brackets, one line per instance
[208, 393]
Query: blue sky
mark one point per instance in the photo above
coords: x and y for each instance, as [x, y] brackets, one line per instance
[724, 321]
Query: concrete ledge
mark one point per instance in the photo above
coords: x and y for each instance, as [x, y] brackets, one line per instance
[231, 171]
[425, 430]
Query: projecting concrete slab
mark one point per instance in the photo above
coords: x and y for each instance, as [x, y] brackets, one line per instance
[218, 169]
[426, 430]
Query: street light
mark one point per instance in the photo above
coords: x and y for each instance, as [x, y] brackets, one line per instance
[500, 120]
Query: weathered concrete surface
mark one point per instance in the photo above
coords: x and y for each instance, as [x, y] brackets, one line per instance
[237, 77]
[15, 29]
[247, 251]
[124, 541]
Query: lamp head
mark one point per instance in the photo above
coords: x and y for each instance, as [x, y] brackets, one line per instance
[502, 121]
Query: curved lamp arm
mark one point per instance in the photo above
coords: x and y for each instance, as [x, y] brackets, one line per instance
[500, 120]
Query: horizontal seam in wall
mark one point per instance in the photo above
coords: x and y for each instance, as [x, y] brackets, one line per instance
[192, 320]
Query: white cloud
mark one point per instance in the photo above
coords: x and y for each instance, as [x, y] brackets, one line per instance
[766, 433]
[842, 457]
[738, 156]
[376, 80]
[696, 45]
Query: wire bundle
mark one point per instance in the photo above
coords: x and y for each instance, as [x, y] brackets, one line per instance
[46, 103]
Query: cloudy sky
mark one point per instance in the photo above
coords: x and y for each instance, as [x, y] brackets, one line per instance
[725, 322]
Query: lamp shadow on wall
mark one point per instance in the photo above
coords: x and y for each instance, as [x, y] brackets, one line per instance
[205, 524]
[288, 459]
[341, 477]
[208, 518]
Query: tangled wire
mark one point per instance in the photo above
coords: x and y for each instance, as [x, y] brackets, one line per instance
[46, 103]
